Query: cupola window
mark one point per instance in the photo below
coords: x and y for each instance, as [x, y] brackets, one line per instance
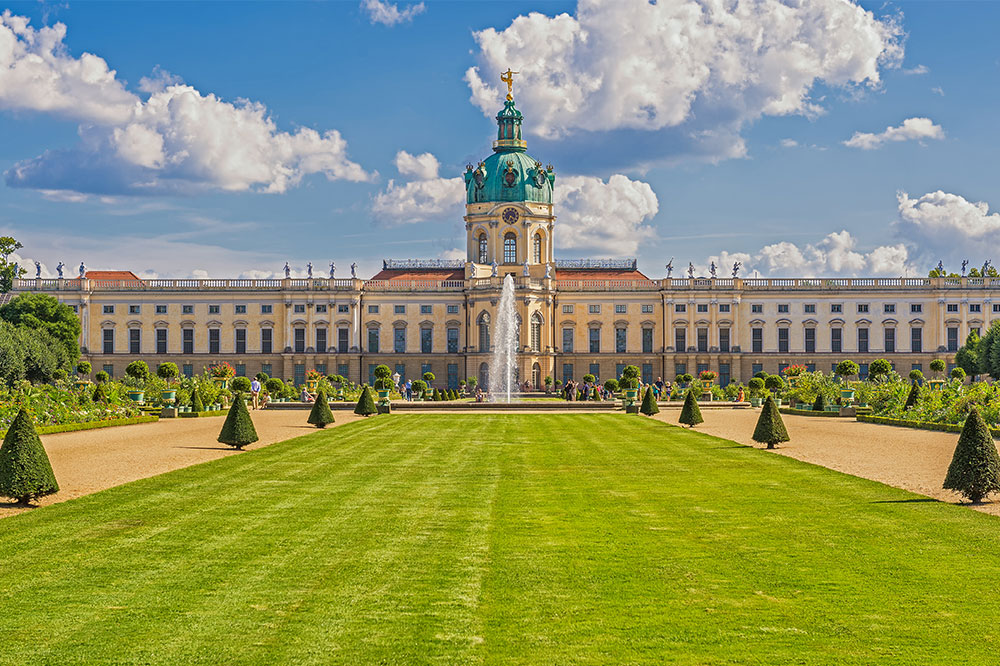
[510, 248]
[536, 249]
[482, 249]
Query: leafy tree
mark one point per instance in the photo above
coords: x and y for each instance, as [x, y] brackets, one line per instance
[102, 377]
[649, 406]
[43, 312]
[30, 354]
[274, 386]
[847, 368]
[167, 371]
[429, 377]
[383, 377]
[912, 396]
[83, 368]
[238, 430]
[774, 383]
[879, 368]
[240, 385]
[756, 385]
[967, 356]
[975, 468]
[137, 370]
[690, 412]
[761, 374]
[630, 377]
[611, 385]
[958, 373]
[9, 271]
[366, 404]
[770, 428]
[819, 405]
[25, 471]
[937, 365]
[321, 416]
[916, 376]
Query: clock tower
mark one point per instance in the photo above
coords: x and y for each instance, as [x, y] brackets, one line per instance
[508, 212]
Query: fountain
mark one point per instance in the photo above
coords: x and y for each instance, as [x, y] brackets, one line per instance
[503, 364]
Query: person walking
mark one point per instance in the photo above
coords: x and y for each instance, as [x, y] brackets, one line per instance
[255, 393]
[409, 390]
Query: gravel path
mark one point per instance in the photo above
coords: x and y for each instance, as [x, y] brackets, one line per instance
[87, 461]
[915, 460]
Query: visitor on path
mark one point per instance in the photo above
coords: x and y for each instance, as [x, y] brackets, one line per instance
[409, 390]
[306, 396]
[740, 395]
[255, 393]
[265, 398]
[479, 394]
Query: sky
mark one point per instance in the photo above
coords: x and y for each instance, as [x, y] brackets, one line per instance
[799, 138]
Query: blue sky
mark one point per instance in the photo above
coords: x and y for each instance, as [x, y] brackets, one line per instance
[724, 161]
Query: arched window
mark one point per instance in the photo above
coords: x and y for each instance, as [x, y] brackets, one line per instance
[482, 249]
[510, 248]
[536, 249]
[484, 376]
[484, 332]
[536, 332]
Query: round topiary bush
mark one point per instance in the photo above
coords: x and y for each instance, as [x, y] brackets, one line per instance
[83, 368]
[611, 385]
[167, 371]
[137, 370]
[589, 379]
[774, 383]
[756, 385]
[102, 377]
[958, 373]
[879, 368]
[240, 385]
[274, 386]
[937, 365]
[847, 368]
[916, 375]
[59, 374]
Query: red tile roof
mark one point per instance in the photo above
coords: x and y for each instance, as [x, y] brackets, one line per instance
[419, 274]
[111, 275]
[598, 274]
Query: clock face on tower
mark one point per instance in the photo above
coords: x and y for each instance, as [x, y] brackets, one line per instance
[510, 215]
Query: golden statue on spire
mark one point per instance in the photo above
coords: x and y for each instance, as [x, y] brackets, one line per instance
[508, 78]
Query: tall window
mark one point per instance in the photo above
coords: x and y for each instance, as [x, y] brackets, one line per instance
[889, 335]
[161, 341]
[343, 338]
[536, 249]
[108, 341]
[321, 340]
[372, 340]
[647, 341]
[399, 340]
[241, 341]
[863, 340]
[187, 340]
[300, 340]
[702, 339]
[453, 375]
[214, 335]
[680, 339]
[836, 340]
[266, 340]
[723, 340]
[916, 340]
[482, 249]
[620, 339]
[452, 340]
[536, 332]
[810, 340]
[484, 332]
[595, 341]
[783, 339]
[426, 340]
[952, 338]
[134, 340]
[510, 248]
[757, 339]
[567, 345]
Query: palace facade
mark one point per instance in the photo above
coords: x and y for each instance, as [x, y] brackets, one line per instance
[577, 317]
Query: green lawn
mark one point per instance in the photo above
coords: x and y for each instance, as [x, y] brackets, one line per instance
[507, 539]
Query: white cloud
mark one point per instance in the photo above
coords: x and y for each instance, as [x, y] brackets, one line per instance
[916, 71]
[422, 167]
[938, 90]
[604, 217]
[426, 197]
[789, 143]
[911, 129]
[389, 13]
[834, 256]
[179, 140]
[692, 71]
[942, 226]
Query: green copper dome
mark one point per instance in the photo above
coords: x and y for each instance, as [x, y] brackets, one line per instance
[509, 174]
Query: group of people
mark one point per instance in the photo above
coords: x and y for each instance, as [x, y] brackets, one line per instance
[571, 390]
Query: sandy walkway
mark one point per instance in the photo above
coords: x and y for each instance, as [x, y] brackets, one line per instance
[91, 460]
[914, 460]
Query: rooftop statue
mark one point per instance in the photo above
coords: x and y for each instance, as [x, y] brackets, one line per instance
[736, 268]
[670, 267]
[309, 270]
[508, 78]
[59, 269]
[354, 270]
[333, 268]
[288, 271]
[83, 271]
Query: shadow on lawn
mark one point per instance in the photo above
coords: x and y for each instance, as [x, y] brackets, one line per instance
[208, 448]
[915, 500]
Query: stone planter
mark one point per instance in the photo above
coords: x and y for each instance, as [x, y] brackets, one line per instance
[220, 382]
[82, 383]
[169, 395]
[936, 384]
[847, 394]
[137, 396]
[383, 398]
[755, 402]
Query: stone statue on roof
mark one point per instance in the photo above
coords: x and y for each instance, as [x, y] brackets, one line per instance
[59, 269]
[736, 268]
[38, 269]
[713, 270]
[83, 271]
[333, 268]
[288, 271]
[670, 267]
[354, 270]
[493, 268]
[940, 269]
[690, 270]
[309, 270]
[965, 262]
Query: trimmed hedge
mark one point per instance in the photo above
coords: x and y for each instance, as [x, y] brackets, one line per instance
[198, 415]
[806, 412]
[919, 425]
[90, 425]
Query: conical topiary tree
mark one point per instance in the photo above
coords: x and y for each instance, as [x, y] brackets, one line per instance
[911, 399]
[196, 404]
[25, 472]
[595, 395]
[100, 393]
[690, 412]
[770, 428]
[819, 404]
[975, 468]
[238, 430]
[320, 416]
[366, 404]
[649, 406]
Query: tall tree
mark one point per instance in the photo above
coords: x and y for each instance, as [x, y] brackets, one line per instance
[46, 313]
[9, 271]
[967, 356]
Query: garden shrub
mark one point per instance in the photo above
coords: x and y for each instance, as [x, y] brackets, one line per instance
[419, 386]
[25, 471]
[100, 394]
[196, 404]
[321, 416]
[366, 404]
[83, 368]
[774, 383]
[819, 405]
[975, 468]
[611, 386]
[649, 406]
[770, 428]
[238, 430]
[690, 412]
[137, 370]
[879, 368]
[595, 395]
[589, 378]
[914, 395]
[102, 376]
[937, 365]
[916, 375]
[383, 377]
[958, 373]
[274, 386]
[755, 385]
[167, 371]
[240, 385]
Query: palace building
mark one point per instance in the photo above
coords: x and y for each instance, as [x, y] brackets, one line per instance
[576, 317]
